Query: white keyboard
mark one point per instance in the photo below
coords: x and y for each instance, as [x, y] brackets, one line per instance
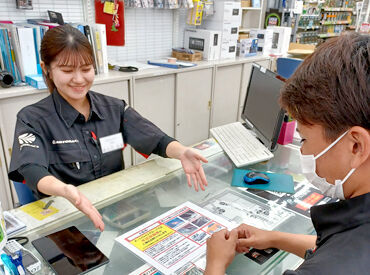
[240, 144]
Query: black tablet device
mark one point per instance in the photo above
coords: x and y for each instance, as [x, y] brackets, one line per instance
[69, 252]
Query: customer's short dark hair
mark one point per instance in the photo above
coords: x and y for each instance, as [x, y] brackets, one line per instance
[332, 86]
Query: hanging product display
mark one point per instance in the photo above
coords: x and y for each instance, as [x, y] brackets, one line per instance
[196, 13]
[111, 13]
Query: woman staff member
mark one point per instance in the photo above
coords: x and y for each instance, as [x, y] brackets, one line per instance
[329, 96]
[59, 141]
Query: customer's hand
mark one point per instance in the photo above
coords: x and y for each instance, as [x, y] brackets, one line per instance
[191, 163]
[250, 236]
[220, 251]
[84, 205]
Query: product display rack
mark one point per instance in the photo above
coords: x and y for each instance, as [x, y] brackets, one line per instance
[309, 23]
[325, 19]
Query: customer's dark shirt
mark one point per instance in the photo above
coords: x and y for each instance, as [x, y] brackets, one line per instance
[343, 239]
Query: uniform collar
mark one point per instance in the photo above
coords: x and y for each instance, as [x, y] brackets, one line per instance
[336, 217]
[94, 106]
[69, 114]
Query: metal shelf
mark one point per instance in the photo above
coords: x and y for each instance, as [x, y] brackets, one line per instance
[251, 9]
[337, 9]
[327, 35]
[325, 23]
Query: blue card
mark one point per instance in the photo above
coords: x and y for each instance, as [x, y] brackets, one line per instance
[278, 182]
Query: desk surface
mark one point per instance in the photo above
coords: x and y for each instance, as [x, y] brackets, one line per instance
[165, 193]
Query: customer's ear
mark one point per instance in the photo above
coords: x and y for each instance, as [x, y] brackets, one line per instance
[360, 145]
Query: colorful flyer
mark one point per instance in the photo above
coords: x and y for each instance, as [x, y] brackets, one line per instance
[175, 238]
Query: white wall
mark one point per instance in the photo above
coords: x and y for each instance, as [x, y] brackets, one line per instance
[148, 32]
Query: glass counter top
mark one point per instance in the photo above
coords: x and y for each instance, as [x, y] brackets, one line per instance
[169, 192]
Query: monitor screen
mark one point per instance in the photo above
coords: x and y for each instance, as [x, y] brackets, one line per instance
[261, 107]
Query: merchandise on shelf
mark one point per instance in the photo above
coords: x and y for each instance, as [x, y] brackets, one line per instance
[324, 19]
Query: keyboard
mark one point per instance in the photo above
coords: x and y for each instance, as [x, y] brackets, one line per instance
[240, 144]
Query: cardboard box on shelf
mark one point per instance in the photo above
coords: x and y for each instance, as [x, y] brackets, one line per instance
[243, 36]
[301, 49]
[246, 3]
[196, 56]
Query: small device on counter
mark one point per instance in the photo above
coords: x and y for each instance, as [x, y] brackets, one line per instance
[126, 69]
[69, 252]
[256, 178]
[28, 260]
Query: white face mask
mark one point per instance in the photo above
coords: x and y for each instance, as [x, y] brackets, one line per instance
[308, 163]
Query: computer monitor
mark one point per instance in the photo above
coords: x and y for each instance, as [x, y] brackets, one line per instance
[261, 110]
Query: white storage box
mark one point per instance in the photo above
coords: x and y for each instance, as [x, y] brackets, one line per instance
[228, 50]
[280, 39]
[227, 11]
[264, 37]
[206, 41]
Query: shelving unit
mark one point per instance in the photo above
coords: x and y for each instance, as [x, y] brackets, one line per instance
[363, 16]
[253, 17]
[320, 21]
[250, 8]
[327, 35]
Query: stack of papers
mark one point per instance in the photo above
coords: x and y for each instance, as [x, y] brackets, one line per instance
[13, 225]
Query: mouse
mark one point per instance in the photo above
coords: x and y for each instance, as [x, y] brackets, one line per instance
[256, 178]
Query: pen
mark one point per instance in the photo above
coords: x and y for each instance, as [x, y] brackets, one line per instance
[94, 139]
[78, 165]
[47, 205]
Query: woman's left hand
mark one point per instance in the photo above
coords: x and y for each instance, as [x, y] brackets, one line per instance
[191, 163]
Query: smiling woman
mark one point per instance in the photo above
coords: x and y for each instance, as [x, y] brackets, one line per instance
[60, 142]
[67, 49]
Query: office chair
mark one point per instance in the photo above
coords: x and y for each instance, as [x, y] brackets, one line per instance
[24, 193]
[287, 66]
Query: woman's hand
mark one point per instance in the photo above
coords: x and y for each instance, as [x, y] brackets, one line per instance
[84, 205]
[250, 236]
[220, 251]
[191, 163]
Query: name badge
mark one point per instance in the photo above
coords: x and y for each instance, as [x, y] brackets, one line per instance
[111, 143]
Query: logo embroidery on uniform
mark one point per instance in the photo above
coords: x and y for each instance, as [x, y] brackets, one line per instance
[64, 141]
[26, 140]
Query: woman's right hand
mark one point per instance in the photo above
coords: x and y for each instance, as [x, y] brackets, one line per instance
[84, 205]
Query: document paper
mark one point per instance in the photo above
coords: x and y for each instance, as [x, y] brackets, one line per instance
[175, 238]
